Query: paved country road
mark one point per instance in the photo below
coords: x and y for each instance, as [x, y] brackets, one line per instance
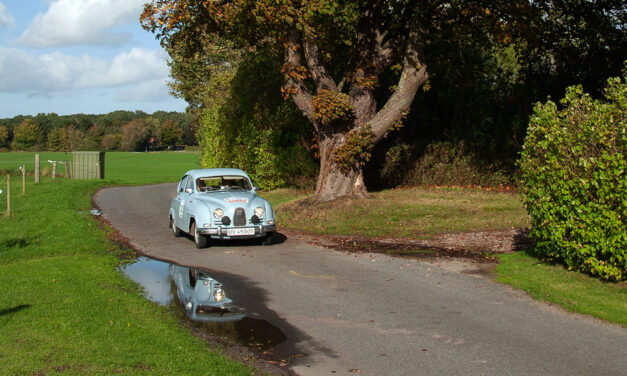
[373, 314]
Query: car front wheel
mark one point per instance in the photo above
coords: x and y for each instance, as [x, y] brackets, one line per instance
[175, 230]
[267, 240]
[200, 240]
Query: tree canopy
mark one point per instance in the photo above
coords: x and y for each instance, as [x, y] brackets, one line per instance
[354, 68]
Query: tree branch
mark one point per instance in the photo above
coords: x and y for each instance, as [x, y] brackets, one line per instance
[318, 71]
[294, 85]
[414, 74]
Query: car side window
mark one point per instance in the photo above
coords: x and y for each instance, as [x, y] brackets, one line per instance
[183, 183]
[189, 184]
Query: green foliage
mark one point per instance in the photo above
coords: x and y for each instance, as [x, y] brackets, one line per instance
[355, 151]
[4, 135]
[57, 140]
[170, 133]
[26, 136]
[574, 180]
[329, 106]
[88, 132]
[135, 135]
[246, 125]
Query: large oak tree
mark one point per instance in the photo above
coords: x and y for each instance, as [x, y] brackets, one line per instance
[338, 57]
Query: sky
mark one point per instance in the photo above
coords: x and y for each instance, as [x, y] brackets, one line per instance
[80, 56]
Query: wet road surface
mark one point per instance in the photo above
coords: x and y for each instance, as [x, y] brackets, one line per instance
[373, 314]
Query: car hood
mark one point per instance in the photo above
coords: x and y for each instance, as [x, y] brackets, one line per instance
[229, 200]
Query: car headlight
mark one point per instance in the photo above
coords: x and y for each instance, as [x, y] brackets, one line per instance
[259, 212]
[218, 295]
[218, 213]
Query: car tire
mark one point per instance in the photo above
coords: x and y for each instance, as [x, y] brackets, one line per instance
[200, 241]
[193, 277]
[267, 240]
[175, 230]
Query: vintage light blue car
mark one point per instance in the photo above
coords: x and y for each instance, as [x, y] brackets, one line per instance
[202, 296]
[220, 203]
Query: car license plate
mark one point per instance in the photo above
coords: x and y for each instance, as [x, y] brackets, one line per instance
[240, 231]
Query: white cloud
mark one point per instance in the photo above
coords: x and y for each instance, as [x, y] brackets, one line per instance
[6, 19]
[82, 22]
[149, 91]
[24, 72]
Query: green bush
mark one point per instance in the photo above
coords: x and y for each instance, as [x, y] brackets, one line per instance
[574, 182]
[245, 124]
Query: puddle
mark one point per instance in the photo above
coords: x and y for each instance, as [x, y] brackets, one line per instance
[203, 300]
[154, 277]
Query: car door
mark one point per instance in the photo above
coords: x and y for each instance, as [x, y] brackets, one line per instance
[177, 203]
[186, 209]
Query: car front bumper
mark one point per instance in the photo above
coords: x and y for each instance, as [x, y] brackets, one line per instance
[220, 232]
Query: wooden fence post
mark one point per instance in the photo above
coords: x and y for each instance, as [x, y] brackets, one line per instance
[54, 169]
[67, 171]
[8, 195]
[36, 168]
[23, 180]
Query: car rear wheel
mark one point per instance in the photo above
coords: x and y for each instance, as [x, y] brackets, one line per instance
[175, 230]
[200, 240]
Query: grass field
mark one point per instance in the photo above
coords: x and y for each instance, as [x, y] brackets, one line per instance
[66, 309]
[120, 167]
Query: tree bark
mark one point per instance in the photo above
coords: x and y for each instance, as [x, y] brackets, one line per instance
[333, 183]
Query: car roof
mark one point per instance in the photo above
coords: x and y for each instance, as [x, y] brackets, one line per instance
[206, 172]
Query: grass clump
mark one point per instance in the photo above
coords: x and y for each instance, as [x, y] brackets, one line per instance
[575, 292]
[408, 213]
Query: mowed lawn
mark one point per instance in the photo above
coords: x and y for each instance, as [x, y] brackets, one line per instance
[65, 308]
[404, 213]
[120, 167]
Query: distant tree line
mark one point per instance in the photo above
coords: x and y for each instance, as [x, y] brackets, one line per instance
[118, 130]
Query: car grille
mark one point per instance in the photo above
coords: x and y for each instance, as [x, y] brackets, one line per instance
[239, 218]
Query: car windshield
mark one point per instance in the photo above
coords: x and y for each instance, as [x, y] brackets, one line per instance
[222, 183]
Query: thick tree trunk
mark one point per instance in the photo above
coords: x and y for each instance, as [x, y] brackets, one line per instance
[375, 55]
[333, 183]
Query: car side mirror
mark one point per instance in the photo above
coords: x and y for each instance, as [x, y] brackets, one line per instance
[188, 190]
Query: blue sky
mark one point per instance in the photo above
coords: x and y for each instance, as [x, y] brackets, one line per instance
[80, 56]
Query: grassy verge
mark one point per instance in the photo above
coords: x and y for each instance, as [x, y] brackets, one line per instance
[66, 309]
[425, 212]
[411, 213]
[576, 292]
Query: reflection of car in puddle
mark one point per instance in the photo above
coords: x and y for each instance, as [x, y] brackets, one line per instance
[214, 312]
[202, 296]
